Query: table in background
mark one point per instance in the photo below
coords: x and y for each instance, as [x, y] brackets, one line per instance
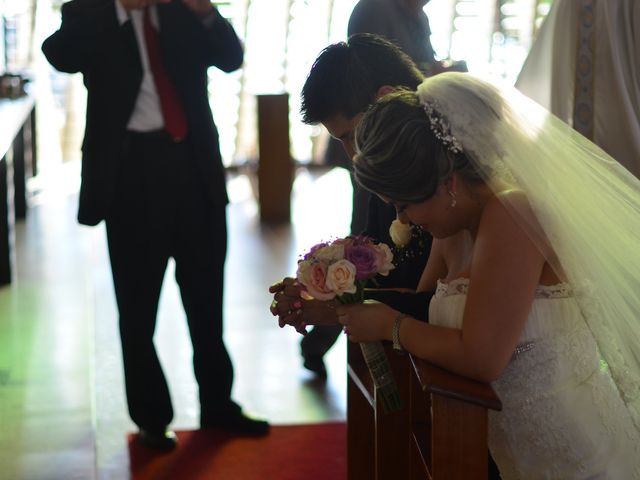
[17, 163]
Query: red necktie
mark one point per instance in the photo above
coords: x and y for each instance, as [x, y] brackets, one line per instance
[175, 121]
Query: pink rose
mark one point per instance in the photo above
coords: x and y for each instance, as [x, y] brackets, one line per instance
[384, 259]
[313, 276]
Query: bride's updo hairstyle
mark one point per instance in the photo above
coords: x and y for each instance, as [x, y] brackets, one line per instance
[407, 147]
[399, 157]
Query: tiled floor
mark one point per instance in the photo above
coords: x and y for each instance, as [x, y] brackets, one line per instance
[62, 410]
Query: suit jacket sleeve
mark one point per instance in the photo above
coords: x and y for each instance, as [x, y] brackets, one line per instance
[223, 49]
[70, 49]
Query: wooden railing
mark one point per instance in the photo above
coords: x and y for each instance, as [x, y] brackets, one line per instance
[439, 434]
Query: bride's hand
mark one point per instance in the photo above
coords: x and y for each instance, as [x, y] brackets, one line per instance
[367, 322]
[292, 309]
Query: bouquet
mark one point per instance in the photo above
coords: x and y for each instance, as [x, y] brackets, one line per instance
[339, 270]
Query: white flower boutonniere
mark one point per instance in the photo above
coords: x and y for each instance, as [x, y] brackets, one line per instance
[400, 233]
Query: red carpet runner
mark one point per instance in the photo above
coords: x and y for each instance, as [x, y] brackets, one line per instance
[290, 452]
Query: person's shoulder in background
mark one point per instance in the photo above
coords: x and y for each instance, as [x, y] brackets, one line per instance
[370, 16]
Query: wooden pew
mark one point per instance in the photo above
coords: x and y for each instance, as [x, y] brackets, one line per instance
[439, 434]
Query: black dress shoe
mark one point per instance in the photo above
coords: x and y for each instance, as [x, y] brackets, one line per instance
[162, 441]
[238, 424]
[316, 365]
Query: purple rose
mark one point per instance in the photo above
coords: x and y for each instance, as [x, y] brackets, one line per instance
[364, 258]
[314, 249]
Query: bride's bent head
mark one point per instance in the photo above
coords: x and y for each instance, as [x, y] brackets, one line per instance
[418, 150]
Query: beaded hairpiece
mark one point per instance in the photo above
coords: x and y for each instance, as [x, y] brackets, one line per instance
[441, 128]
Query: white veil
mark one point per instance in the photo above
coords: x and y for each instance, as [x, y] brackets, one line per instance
[586, 206]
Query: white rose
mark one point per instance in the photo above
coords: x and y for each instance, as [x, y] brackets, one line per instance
[400, 233]
[341, 277]
[330, 253]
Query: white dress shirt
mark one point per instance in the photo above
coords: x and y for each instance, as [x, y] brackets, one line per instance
[147, 115]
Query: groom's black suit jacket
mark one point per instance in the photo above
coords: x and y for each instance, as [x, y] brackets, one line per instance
[91, 40]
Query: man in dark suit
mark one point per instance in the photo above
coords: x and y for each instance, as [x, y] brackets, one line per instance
[405, 24]
[152, 169]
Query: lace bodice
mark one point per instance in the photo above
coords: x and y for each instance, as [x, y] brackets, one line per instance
[460, 286]
[540, 322]
[562, 415]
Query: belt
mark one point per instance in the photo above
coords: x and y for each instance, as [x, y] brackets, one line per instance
[158, 135]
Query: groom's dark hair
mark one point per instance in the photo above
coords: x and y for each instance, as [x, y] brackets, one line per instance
[346, 76]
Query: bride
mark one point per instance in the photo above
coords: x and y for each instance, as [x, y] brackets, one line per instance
[536, 261]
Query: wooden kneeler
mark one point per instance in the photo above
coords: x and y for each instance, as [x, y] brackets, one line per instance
[439, 434]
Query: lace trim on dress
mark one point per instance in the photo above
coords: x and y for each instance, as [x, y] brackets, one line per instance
[460, 286]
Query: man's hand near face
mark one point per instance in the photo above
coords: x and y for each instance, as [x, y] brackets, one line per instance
[138, 4]
[201, 8]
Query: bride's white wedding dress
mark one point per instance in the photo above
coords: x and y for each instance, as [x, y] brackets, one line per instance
[562, 416]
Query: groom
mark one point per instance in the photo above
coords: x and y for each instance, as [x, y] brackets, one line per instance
[344, 80]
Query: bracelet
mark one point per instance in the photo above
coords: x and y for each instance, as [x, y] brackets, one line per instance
[395, 333]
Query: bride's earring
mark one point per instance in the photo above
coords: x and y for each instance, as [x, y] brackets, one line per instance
[452, 189]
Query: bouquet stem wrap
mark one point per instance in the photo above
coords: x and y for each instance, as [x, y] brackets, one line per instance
[383, 380]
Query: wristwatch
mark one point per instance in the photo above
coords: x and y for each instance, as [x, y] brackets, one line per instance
[395, 333]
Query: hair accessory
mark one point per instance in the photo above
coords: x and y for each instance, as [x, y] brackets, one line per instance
[441, 128]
